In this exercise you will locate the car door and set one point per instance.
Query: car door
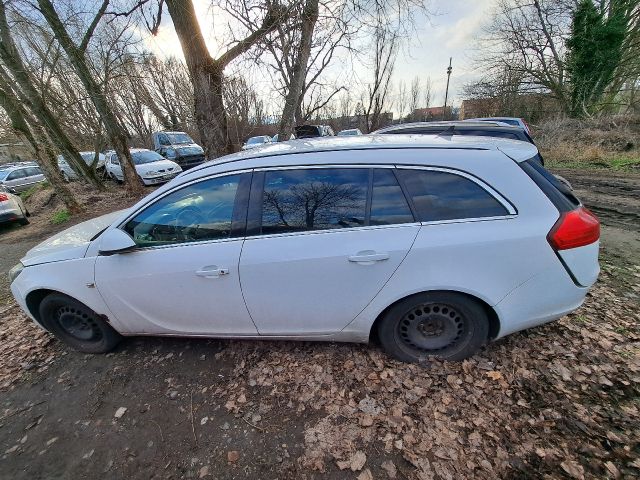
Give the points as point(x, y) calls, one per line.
point(321, 243)
point(114, 167)
point(17, 180)
point(33, 175)
point(183, 277)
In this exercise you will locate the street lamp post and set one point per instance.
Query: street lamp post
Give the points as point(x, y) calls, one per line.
point(446, 94)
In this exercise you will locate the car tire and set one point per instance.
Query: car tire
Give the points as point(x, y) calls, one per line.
point(77, 325)
point(24, 220)
point(445, 325)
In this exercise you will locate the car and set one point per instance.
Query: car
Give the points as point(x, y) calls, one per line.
point(89, 157)
point(151, 167)
point(313, 131)
point(12, 208)
point(350, 131)
point(258, 141)
point(466, 127)
point(21, 176)
point(432, 246)
point(274, 139)
point(178, 147)
point(514, 121)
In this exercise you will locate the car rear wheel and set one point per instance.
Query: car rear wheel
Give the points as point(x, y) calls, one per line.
point(77, 325)
point(445, 325)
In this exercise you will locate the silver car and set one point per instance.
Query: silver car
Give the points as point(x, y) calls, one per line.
point(21, 176)
point(11, 207)
point(89, 157)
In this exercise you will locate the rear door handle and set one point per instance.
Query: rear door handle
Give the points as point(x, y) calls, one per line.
point(368, 257)
point(212, 272)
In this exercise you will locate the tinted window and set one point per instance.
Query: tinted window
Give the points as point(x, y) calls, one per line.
point(314, 199)
point(559, 193)
point(447, 196)
point(493, 133)
point(388, 204)
point(202, 211)
point(16, 174)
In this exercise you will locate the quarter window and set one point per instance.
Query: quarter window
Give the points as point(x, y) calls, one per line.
point(314, 199)
point(446, 196)
point(388, 204)
point(199, 212)
point(16, 174)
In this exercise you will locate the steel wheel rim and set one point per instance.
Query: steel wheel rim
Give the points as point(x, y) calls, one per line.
point(78, 324)
point(431, 328)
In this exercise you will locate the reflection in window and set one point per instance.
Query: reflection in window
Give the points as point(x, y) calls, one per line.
point(388, 204)
point(314, 199)
point(447, 196)
point(202, 211)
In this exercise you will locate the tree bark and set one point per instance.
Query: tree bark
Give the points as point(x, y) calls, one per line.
point(115, 131)
point(32, 98)
point(293, 100)
point(207, 73)
point(40, 148)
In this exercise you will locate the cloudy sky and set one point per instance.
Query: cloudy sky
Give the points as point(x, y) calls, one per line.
point(449, 31)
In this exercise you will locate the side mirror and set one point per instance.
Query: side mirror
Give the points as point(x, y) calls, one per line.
point(115, 241)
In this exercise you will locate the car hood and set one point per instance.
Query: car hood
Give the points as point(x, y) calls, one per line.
point(70, 243)
point(166, 165)
point(189, 149)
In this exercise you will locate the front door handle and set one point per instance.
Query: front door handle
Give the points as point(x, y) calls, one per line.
point(369, 257)
point(212, 272)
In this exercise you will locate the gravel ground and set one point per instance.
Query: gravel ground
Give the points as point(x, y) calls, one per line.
point(557, 401)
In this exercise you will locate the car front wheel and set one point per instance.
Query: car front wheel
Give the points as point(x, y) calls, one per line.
point(77, 325)
point(445, 325)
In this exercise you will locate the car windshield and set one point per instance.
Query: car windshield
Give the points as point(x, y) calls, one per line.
point(88, 157)
point(4, 174)
point(145, 156)
point(254, 140)
point(179, 138)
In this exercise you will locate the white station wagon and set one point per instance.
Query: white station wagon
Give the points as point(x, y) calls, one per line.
point(433, 246)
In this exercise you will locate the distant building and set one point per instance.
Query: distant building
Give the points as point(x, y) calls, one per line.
point(531, 107)
point(430, 114)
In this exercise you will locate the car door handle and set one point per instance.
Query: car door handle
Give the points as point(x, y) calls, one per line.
point(369, 257)
point(212, 272)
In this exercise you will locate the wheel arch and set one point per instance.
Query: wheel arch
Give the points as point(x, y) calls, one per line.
point(33, 301)
point(492, 315)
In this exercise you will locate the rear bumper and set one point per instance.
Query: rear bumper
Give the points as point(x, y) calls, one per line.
point(10, 215)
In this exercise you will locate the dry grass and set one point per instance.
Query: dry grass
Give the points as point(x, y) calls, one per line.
point(608, 142)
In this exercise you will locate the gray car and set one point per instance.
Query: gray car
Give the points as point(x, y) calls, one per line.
point(12, 208)
point(22, 176)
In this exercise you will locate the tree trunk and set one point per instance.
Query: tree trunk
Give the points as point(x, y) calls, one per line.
point(293, 99)
point(45, 155)
point(115, 131)
point(207, 74)
point(35, 102)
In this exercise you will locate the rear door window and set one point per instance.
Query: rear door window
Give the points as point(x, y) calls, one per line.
point(314, 199)
point(438, 195)
point(16, 174)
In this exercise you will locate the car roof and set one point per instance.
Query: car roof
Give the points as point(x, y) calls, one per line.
point(515, 149)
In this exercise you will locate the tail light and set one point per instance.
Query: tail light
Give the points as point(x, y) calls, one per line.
point(526, 126)
point(4, 197)
point(573, 229)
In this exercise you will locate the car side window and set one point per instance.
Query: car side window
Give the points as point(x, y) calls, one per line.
point(33, 171)
point(16, 174)
point(114, 159)
point(314, 199)
point(199, 212)
point(440, 195)
point(388, 203)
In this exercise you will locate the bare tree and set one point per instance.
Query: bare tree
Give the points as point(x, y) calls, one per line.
point(403, 99)
point(76, 53)
point(427, 93)
point(376, 98)
point(414, 97)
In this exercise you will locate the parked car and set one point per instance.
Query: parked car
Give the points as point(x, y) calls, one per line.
point(477, 129)
point(349, 132)
point(89, 157)
point(179, 148)
point(21, 176)
point(274, 139)
point(434, 246)
point(312, 131)
point(151, 167)
point(12, 208)
point(514, 121)
point(258, 141)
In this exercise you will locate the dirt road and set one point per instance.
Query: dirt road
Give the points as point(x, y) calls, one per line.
point(557, 401)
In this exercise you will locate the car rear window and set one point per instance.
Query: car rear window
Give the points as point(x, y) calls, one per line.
point(559, 193)
point(440, 195)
